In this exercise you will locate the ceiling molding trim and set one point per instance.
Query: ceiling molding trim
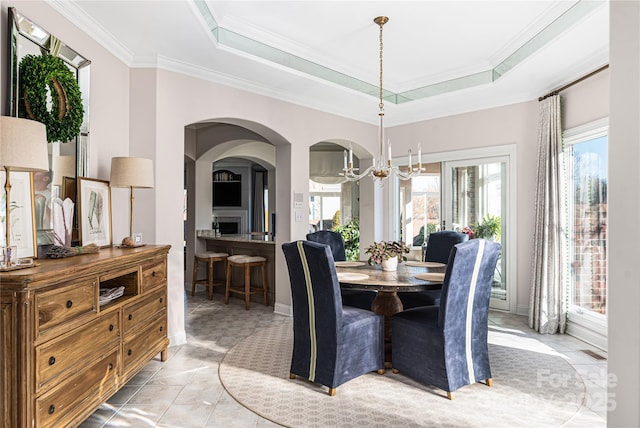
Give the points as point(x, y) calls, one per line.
point(93, 29)
point(254, 48)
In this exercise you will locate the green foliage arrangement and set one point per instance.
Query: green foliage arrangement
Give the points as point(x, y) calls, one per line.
point(351, 236)
point(379, 251)
point(487, 228)
point(39, 72)
point(335, 221)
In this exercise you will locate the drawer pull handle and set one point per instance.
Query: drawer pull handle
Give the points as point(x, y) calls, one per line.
point(52, 360)
point(69, 304)
point(161, 300)
point(129, 352)
point(110, 327)
point(52, 409)
point(160, 328)
point(153, 274)
point(130, 317)
point(110, 366)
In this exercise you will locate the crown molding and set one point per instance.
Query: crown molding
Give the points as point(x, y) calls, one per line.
point(74, 13)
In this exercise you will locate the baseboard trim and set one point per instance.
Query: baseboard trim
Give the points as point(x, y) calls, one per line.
point(522, 310)
point(280, 309)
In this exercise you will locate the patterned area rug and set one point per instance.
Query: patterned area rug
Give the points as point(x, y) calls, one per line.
point(533, 387)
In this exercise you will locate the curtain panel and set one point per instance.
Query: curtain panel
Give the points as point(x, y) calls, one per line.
point(548, 299)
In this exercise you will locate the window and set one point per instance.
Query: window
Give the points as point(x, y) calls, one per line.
point(420, 206)
point(324, 206)
point(586, 150)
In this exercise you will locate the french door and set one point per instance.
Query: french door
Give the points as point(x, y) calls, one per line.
point(476, 194)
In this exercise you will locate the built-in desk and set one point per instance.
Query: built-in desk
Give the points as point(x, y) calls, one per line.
point(253, 245)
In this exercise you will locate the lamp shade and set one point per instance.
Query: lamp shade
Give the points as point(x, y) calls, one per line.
point(131, 172)
point(23, 144)
point(62, 166)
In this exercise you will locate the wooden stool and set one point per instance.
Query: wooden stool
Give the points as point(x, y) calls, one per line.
point(209, 258)
point(247, 262)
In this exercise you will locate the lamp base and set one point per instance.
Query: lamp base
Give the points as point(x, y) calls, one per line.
point(130, 242)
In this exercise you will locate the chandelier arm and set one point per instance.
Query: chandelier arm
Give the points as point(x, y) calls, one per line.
point(349, 175)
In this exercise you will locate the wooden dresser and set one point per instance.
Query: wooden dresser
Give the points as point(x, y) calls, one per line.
point(62, 352)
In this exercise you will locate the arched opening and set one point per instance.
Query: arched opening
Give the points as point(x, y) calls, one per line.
point(230, 181)
point(334, 202)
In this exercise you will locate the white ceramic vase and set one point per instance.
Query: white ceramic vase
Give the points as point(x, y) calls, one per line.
point(390, 265)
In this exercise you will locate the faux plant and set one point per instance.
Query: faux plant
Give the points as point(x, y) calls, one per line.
point(64, 119)
point(351, 237)
point(488, 227)
point(379, 251)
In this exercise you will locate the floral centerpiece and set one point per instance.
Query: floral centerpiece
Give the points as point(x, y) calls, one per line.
point(392, 252)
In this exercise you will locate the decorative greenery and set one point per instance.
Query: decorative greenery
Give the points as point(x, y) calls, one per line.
point(37, 73)
point(380, 251)
point(487, 228)
point(351, 237)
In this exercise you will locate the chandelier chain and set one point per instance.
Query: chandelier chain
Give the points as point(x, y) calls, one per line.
point(381, 46)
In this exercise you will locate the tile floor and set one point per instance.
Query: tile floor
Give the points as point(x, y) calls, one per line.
point(185, 391)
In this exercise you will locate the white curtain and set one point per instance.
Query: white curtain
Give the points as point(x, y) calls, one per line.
point(548, 300)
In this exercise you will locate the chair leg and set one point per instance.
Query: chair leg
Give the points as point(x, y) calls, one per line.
point(332, 392)
point(228, 284)
point(395, 371)
point(195, 276)
point(265, 286)
point(450, 395)
point(247, 286)
point(490, 382)
point(292, 376)
point(210, 279)
point(380, 371)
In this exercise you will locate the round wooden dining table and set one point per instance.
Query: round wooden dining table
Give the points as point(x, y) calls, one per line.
point(411, 276)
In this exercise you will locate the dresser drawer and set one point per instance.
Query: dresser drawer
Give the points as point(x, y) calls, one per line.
point(75, 349)
point(92, 385)
point(58, 306)
point(154, 273)
point(136, 313)
point(145, 344)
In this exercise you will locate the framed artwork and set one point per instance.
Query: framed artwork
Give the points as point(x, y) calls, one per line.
point(95, 211)
point(21, 214)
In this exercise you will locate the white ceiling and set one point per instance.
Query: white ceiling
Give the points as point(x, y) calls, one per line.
point(425, 43)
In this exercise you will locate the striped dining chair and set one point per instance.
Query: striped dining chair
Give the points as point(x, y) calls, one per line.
point(446, 345)
point(332, 343)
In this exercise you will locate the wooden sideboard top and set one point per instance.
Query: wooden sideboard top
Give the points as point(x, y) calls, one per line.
point(84, 264)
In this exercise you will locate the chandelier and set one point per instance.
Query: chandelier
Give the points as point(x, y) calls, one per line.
point(382, 164)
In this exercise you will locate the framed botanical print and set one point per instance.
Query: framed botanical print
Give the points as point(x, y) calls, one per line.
point(95, 211)
point(21, 214)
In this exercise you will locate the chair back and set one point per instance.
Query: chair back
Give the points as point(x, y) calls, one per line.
point(333, 240)
point(315, 293)
point(440, 244)
point(466, 290)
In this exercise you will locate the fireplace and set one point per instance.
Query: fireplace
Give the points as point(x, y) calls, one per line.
point(231, 222)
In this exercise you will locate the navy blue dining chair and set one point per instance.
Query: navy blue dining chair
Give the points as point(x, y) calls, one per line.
point(332, 343)
point(446, 345)
point(357, 298)
point(439, 247)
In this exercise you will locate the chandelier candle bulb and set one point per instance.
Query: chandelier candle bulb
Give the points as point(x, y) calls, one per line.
point(345, 160)
point(410, 162)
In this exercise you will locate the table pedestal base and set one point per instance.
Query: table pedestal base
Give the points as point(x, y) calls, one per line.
point(387, 303)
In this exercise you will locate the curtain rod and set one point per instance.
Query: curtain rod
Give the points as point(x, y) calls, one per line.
point(570, 84)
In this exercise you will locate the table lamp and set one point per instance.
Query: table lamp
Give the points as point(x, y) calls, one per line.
point(131, 172)
point(23, 147)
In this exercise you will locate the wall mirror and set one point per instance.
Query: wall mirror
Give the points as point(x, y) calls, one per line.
point(67, 160)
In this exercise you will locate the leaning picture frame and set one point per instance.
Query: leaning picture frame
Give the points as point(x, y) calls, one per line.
point(21, 214)
point(94, 212)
